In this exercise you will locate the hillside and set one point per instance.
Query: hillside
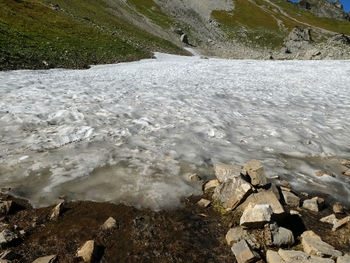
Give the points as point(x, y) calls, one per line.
point(74, 34)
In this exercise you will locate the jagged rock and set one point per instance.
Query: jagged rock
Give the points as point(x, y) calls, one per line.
point(293, 256)
point(194, 178)
point(232, 192)
point(311, 204)
point(313, 245)
point(281, 236)
point(203, 202)
point(184, 39)
point(264, 197)
point(298, 39)
point(243, 253)
point(255, 170)
point(331, 219)
point(340, 39)
point(211, 184)
point(88, 251)
point(225, 172)
point(320, 201)
point(236, 234)
point(338, 208)
point(5, 207)
point(340, 223)
point(6, 237)
point(47, 259)
point(291, 199)
point(56, 212)
point(325, 8)
point(110, 223)
point(273, 257)
point(347, 172)
point(256, 215)
point(343, 259)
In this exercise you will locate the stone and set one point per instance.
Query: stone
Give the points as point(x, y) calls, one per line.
point(5, 207)
point(340, 223)
point(338, 208)
point(294, 212)
point(194, 178)
point(255, 170)
point(204, 202)
point(56, 212)
point(225, 172)
point(236, 234)
point(291, 199)
point(47, 259)
point(88, 251)
point(232, 192)
point(6, 237)
point(273, 257)
point(293, 256)
point(313, 245)
point(347, 173)
point(264, 197)
point(211, 184)
point(344, 259)
point(184, 39)
point(321, 173)
point(256, 215)
point(331, 219)
point(109, 224)
point(286, 183)
point(281, 236)
point(286, 189)
point(345, 163)
point(311, 205)
point(320, 201)
point(275, 177)
point(243, 253)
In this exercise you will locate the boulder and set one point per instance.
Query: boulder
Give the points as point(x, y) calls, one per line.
point(6, 237)
point(313, 245)
point(256, 215)
point(109, 224)
point(47, 259)
point(88, 251)
point(211, 184)
point(256, 172)
point(338, 208)
point(291, 199)
point(203, 202)
point(273, 257)
point(281, 236)
point(293, 256)
point(243, 253)
point(236, 234)
point(56, 212)
point(225, 172)
point(311, 205)
point(264, 197)
point(331, 219)
point(232, 192)
point(343, 259)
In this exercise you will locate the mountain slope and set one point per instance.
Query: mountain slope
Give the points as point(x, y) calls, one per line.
point(75, 34)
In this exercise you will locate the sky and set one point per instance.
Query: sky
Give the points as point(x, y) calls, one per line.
point(346, 4)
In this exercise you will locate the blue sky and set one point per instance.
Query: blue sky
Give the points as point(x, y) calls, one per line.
point(346, 4)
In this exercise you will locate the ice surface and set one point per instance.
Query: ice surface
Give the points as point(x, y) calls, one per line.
point(132, 132)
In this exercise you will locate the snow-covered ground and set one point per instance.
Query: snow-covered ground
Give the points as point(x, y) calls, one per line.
point(133, 132)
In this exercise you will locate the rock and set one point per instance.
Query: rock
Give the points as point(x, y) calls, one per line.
point(345, 163)
point(320, 201)
point(184, 39)
point(340, 223)
point(5, 207)
point(347, 172)
point(286, 189)
point(194, 178)
point(281, 236)
point(203, 202)
point(243, 253)
point(293, 256)
point(273, 257)
point(232, 192)
point(256, 173)
point(88, 251)
point(211, 184)
point(321, 173)
point(340, 39)
point(256, 215)
point(331, 219)
point(343, 259)
point(313, 245)
point(274, 177)
point(294, 212)
point(109, 224)
point(286, 183)
point(45, 63)
point(6, 237)
point(236, 234)
point(47, 259)
point(311, 205)
point(56, 212)
point(338, 208)
point(225, 172)
point(322, 8)
point(264, 197)
point(291, 199)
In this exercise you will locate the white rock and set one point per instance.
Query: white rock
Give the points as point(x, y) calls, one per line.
point(225, 172)
point(264, 197)
point(87, 251)
point(243, 253)
point(256, 172)
point(256, 215)
point(311, 204)
point(110, 223)
point(290, 199)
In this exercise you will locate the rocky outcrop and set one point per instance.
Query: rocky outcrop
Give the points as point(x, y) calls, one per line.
point(325, 8)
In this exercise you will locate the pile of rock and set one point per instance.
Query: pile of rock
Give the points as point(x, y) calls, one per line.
point(264, 206)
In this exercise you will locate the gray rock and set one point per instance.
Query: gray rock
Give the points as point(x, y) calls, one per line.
point(256, 173)
point(232, 192)
point(281, 236)
point(225, 172)
point(343, 259)
point(236, 234)
point(109, 224)
point(291, 199)
point(46, 259)
point(340, 39)
point(204, 202)
point(211, 184)
point(243, 253)
point(87, 252)
point(293, 256)
point(273, 257)
point(311, 204)
point(6, 237)
point(313, 245)
point(256, 215)
point(340, 223)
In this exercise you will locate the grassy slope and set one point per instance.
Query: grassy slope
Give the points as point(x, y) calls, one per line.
point(31, 32)
point(263, 30)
